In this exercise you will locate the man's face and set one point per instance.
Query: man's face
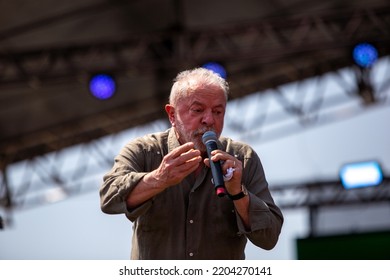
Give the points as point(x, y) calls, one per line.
point(202, 110)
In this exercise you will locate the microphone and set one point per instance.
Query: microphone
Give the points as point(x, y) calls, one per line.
point(209, 139)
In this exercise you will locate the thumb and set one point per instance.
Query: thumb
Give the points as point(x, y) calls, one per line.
point(206, 161)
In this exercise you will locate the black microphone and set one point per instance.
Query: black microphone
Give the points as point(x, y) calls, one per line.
point(209, 139)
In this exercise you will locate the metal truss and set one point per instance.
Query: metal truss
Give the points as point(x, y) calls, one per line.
point(263, 42)
point(67, 172)
point(78, 169)
point(288, 109)
point(64, 173)
point(327, 193)
point(316, 195)
point(258, 56)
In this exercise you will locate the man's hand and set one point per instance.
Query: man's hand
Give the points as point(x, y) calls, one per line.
point(178, 164)
point(174, 167)
point(233, 186)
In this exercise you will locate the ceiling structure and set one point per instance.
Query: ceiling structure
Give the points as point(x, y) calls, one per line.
point(49, 50)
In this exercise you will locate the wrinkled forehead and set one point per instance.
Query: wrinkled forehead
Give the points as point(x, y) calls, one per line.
point(196, 88)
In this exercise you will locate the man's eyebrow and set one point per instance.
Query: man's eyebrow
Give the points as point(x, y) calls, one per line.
point(203, 104)
point(196, 103)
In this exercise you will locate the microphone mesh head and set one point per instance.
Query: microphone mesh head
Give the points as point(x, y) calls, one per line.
point(209, 136)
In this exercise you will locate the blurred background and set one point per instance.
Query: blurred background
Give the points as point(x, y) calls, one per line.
point(310, 86)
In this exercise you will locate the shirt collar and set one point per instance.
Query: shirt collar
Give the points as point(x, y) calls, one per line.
point(173, 142)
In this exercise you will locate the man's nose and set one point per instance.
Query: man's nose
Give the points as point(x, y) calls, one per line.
point(208, 118)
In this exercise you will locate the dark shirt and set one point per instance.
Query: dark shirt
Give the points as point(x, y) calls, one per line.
point(188, 220)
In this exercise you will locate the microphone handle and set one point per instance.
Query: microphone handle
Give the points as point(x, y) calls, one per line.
point(216, 171)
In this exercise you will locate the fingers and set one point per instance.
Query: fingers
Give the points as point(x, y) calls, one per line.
point(233, 184)
point(182, 149)
point(190, 155)
point(179, 163)
point(227, 159)
point(184, 154)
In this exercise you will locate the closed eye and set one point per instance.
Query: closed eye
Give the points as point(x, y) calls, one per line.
point(197, 110)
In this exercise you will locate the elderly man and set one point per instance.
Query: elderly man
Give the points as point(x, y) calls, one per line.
point(163, 184)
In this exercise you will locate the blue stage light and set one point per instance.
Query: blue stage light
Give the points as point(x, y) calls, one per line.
point(216, 68)
point(365, 55)
point(102, 86)
point(361, 174)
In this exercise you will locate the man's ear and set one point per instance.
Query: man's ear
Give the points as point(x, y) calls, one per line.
point(171, 113)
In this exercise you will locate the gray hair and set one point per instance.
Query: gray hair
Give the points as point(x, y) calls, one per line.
point(186, 81)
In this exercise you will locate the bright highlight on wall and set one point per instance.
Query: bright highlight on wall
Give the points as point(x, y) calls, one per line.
point(361, 174)
point(216, 68)
point(102, 86)
point(365, 55)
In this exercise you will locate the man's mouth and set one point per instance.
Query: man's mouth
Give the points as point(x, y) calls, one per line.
point(200, 132)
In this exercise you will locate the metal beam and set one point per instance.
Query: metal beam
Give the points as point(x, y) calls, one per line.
point(256, 43)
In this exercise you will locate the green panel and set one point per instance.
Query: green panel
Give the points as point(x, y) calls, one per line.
point(362, 246)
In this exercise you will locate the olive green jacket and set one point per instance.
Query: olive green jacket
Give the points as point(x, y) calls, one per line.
point(188, 220)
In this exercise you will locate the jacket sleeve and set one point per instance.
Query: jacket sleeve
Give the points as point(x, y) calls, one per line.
point(128, 169)
point(265, 217)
